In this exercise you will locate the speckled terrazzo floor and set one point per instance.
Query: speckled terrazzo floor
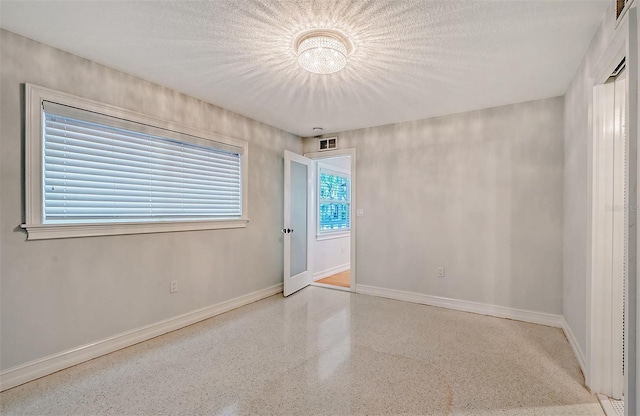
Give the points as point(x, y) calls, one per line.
point(325, 352)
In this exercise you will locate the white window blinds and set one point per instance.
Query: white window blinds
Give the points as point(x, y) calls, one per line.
point(99, 169)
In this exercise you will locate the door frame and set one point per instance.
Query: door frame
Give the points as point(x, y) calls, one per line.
point(327, 154)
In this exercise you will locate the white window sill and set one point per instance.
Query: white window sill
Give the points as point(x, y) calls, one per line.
point(331, 236)
point(52, 231)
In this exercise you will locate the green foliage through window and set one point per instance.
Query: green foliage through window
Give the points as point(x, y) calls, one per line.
point(335, 202)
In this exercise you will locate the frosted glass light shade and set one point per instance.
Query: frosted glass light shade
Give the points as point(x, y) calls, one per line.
point(322, 54)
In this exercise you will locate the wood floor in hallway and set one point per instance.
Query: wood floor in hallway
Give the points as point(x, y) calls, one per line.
point(339, 279)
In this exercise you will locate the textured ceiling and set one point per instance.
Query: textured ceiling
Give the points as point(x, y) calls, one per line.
point(412, 59)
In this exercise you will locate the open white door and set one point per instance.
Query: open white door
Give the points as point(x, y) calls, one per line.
point(298, 224)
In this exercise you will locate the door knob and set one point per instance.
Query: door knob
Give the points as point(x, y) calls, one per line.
point(287, 230)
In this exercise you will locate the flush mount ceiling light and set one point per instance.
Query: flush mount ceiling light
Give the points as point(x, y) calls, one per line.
point(322, 51)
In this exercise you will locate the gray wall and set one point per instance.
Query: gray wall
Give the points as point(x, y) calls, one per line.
point(59, 294)
point(578, 107)
point(479, 193)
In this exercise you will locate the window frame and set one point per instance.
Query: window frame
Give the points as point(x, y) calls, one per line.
point(336, 171)
point(34, 172)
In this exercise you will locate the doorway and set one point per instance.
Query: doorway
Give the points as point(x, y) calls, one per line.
point(331, 244)
point(344, 248)
point(302, 228)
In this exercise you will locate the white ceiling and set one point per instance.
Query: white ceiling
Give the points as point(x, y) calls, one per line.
point(412, 59)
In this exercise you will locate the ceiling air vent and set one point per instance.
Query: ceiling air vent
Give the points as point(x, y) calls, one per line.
point(621, 8)
point(328, 143)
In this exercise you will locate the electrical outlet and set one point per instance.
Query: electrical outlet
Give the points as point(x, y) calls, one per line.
point(360, 212)
point(174, 286)
point(440, 271)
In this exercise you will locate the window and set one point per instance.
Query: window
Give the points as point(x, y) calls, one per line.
point(94, 169)
point(334, 197)
point(94, 172)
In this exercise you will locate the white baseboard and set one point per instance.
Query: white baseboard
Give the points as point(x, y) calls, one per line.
point(574, 346)
point(330, 272)
point(541, 318)
point(35, 369)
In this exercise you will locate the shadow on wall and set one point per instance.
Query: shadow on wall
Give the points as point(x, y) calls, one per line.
point(478, 193)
